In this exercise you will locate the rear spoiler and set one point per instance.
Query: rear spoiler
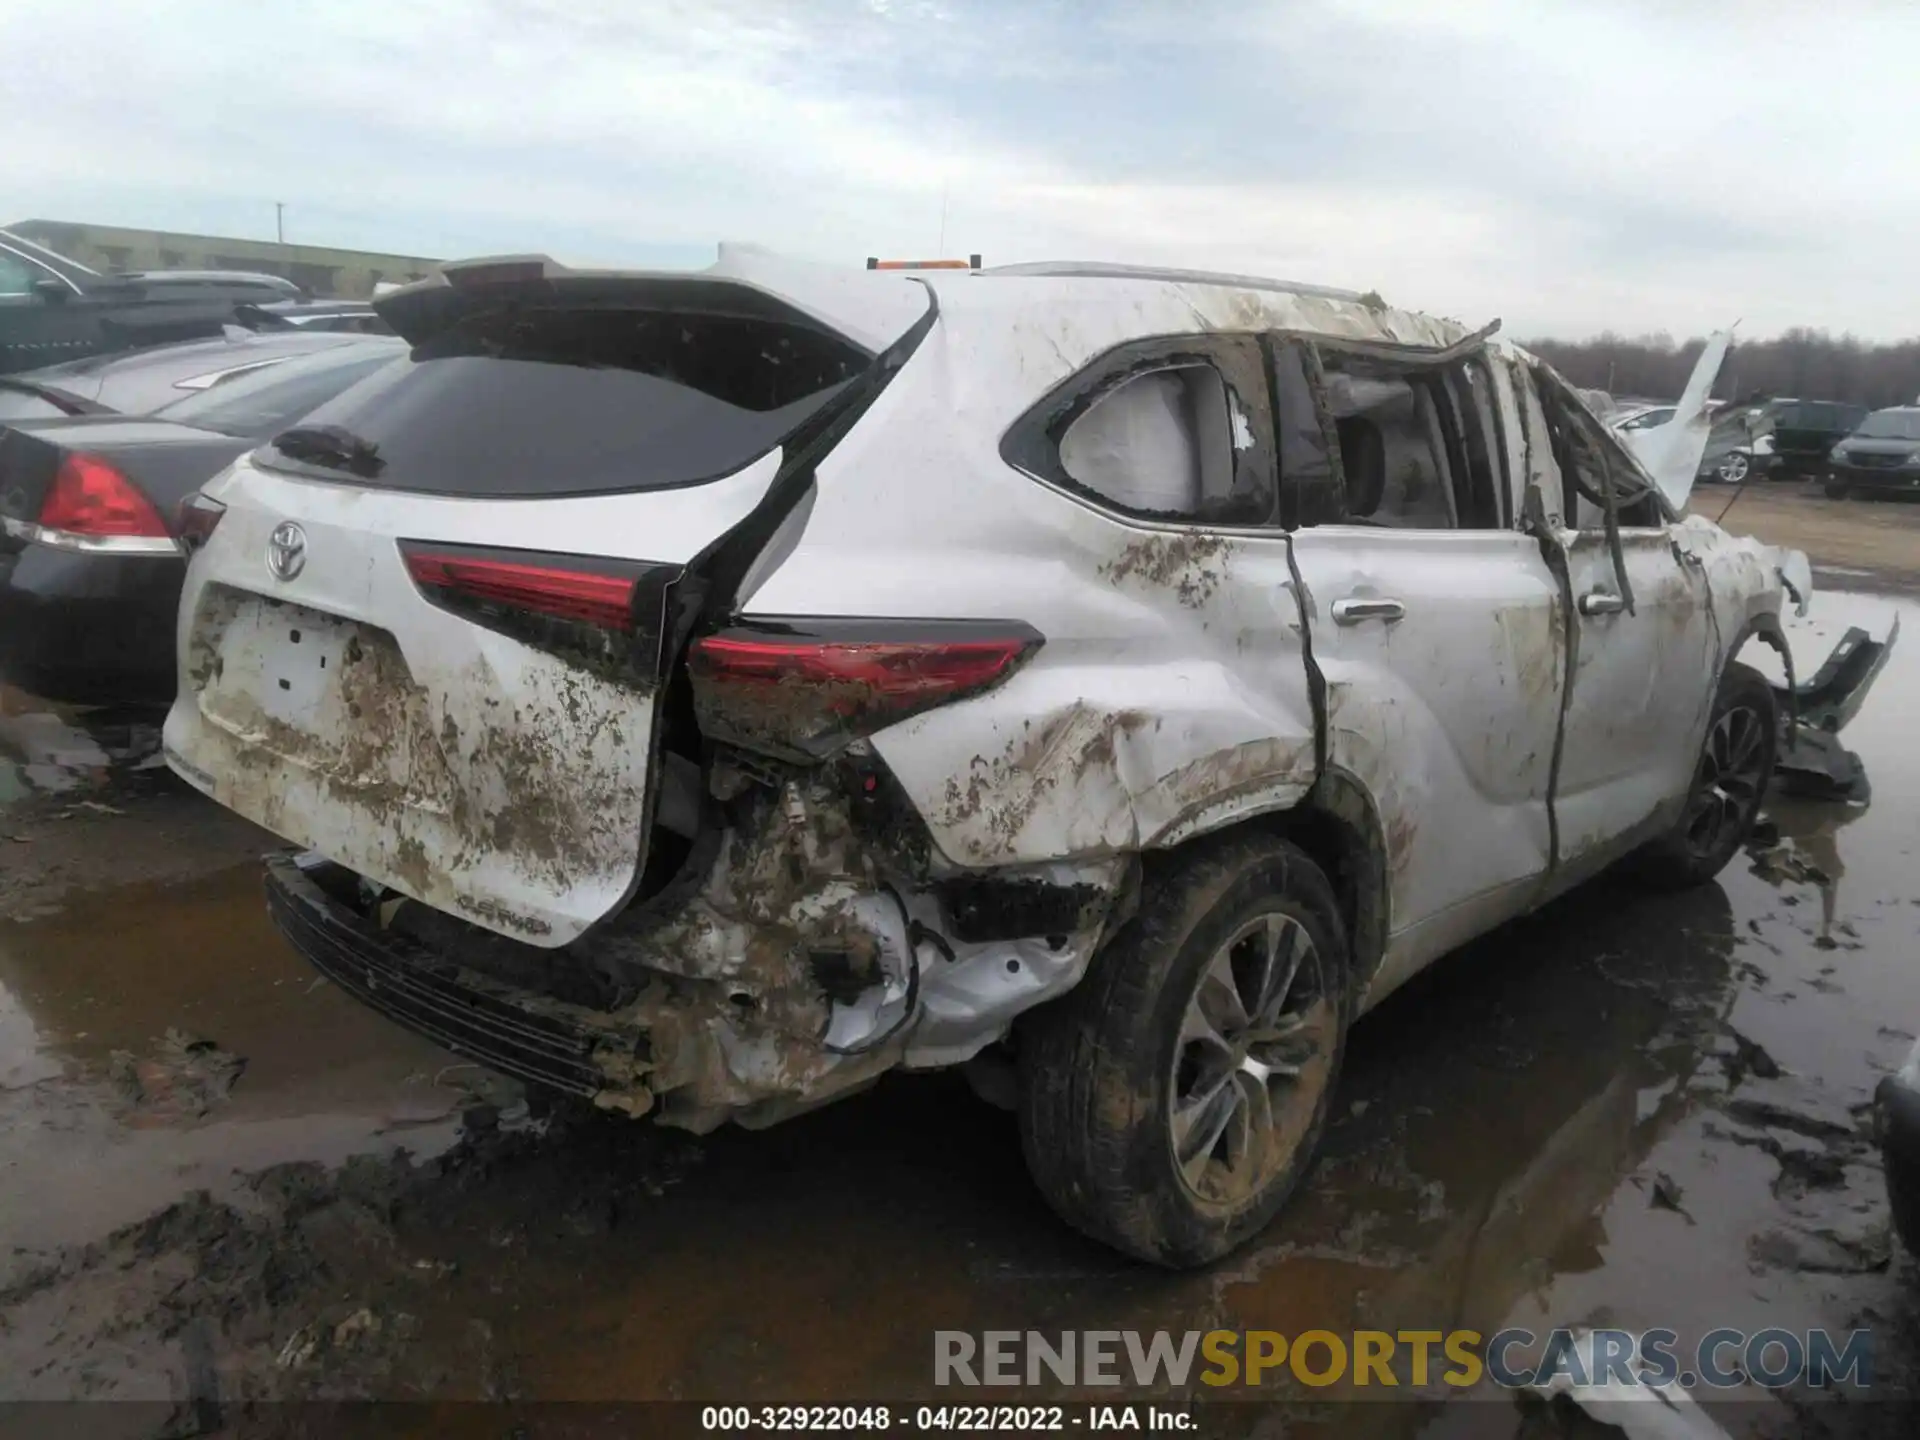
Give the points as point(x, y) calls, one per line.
point(63, 400)
point(871, 310)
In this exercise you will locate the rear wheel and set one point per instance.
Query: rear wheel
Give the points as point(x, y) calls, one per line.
point(1736, 762)
point(1836, 489)
point(1733, 468)
point(1172, 1102)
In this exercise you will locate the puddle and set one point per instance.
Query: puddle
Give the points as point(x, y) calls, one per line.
point(1590, 1115)
point(106, 1117)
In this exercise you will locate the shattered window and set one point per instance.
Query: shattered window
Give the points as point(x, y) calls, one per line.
point(1471, 391)
point(1174, 441)
point(1592, 459)
point(1309, 482)
point(1393, 449)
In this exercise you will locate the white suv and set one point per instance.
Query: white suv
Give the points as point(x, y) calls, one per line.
point(703, 693)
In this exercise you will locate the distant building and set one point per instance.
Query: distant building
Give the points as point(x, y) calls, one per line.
point(327, 273)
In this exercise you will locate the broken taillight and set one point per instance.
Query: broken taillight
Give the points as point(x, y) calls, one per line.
point(91, 500)
point(803, 690)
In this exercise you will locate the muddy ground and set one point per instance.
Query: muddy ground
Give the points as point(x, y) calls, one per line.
point(222, 1183)
point(1855, 544)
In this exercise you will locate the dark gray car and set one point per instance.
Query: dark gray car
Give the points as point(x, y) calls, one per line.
point(138, 382)
point(1881, 456)
point(54, 309)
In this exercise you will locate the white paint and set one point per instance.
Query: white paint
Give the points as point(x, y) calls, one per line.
point(484, 683)
point(1170, 697)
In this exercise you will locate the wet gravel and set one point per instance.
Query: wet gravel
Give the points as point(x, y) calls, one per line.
point(223, 1184)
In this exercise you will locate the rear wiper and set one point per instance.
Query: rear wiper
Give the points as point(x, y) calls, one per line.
point(332, 446)
point(63, 400)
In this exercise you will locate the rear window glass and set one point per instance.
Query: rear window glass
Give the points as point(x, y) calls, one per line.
point(529, 402)
point(257, 405)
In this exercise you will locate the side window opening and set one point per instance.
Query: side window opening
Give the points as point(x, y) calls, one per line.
point(1171, 438)
point(1592, 459)
point(1468, 396)
point(1392, 449)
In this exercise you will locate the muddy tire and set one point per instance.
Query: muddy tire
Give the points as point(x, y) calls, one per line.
point(1729, 782)
point(1172, 1101)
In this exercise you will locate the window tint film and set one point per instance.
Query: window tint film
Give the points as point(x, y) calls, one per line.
point(530, 402)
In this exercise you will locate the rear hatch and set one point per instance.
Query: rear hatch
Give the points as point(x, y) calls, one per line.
point(425, 635)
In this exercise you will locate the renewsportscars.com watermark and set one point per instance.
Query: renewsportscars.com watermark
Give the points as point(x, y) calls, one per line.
point(1512, 1359)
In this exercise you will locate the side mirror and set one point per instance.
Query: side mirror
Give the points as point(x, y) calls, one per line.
point(51, 291)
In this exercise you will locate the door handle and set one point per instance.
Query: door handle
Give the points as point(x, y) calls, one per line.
point(1601, 602)
point(1352, 612)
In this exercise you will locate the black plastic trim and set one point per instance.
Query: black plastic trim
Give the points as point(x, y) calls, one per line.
point(432, 999)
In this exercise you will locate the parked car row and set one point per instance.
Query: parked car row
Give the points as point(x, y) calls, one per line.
point(54, 309)
point(96, 456)
point(1852, 450)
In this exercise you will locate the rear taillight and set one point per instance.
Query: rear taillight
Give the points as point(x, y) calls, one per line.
point(804, 690)
point(90, 500)
point(195, 519)
point(562, 591)
point(570, 604)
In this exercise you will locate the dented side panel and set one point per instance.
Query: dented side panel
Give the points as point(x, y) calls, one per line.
point(1170, 694)
point(1447, 715)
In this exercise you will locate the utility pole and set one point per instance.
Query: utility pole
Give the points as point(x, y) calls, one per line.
point(280, 221)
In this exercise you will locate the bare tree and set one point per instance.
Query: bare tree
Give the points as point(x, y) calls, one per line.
point(1802, 363)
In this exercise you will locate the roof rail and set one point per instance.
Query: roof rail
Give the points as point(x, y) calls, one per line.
point(1079, 269)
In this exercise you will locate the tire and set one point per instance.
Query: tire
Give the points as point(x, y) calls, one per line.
point(1144, 1054)
point(1729, 783)
point(1835, 489)
point(1734, 468)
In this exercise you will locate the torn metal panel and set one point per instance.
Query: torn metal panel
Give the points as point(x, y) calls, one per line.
point(1671, 452)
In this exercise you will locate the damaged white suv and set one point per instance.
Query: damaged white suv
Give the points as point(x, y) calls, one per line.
point(701, 693)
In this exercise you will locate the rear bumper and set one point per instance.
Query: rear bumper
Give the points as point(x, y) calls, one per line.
point(89, 629)
point(1897, 1122)
point(547, 1043)
point(692, 1052)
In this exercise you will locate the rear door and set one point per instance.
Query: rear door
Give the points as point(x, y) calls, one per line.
point(425, 636)
point(1436, 626)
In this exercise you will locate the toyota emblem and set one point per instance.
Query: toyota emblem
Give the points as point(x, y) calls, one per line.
point(286, 550)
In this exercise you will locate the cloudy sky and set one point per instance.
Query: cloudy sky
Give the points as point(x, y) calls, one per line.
point(1569, 166)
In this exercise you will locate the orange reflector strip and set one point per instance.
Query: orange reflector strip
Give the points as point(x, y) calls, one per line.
point(971, 263)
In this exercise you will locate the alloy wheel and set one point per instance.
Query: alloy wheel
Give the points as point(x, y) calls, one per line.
point(1731, 780)
point(1253, 1060)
